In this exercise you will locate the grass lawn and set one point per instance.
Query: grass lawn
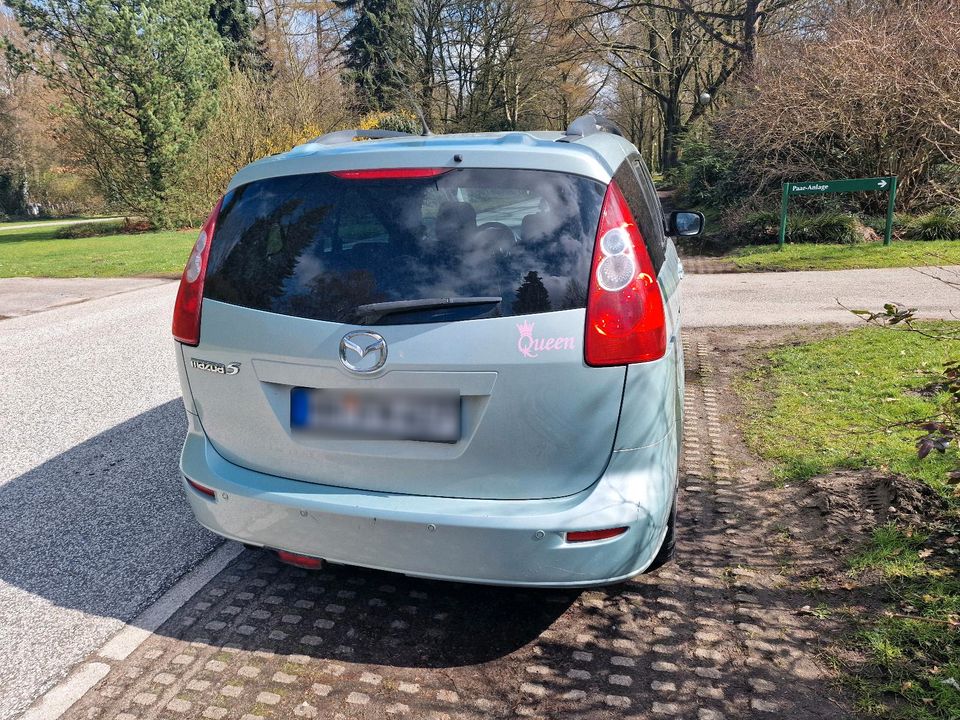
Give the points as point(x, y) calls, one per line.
point(914, 647)
point(35, 252)
point(904, 253)
point(831, 404)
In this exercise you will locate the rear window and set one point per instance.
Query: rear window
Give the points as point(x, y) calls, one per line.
point(469, 243)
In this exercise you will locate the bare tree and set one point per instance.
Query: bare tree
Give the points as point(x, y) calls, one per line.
point(735, 24)
point(499, 64)
point(665, 53)
point(875, 94)
point(35, 163)
point(677, 50)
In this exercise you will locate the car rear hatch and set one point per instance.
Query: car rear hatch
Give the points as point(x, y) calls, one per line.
point(476, 282)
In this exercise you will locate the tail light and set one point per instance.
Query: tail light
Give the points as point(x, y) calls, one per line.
point(625, 319)
point(186, 311)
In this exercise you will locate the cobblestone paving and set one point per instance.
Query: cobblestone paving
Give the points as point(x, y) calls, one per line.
point(712, 636)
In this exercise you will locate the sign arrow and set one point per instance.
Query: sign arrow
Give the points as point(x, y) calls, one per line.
point(882, 184)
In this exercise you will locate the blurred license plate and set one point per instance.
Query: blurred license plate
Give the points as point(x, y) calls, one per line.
point(384, 415)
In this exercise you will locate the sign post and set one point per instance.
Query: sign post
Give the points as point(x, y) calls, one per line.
point(891, 200)
point(878, 184)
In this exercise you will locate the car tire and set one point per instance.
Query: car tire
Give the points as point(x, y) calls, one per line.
point(668, 547)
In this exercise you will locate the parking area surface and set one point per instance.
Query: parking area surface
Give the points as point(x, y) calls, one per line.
point(715, 635)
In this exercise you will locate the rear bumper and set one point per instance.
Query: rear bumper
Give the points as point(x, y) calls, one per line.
point(497, 542)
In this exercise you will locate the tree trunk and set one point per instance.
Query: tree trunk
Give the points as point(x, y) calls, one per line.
point(751, 19)
point(672, 127)
point(318, 35)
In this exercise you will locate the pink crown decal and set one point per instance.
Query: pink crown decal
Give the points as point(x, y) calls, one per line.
point(526, 329)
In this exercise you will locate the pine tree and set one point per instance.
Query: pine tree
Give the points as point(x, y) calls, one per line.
point(138, 81)
point(235, 25)
point(377, 48)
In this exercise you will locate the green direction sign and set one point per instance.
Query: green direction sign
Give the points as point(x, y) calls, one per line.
point(822, 187)
point(839, 186)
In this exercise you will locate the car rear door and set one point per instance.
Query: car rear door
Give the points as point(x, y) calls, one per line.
point(476, 282)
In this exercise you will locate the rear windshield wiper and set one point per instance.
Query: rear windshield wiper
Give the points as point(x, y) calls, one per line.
point(373, 312)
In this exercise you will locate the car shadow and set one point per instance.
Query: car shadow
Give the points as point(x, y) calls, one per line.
point(104, 529)
point(364, 616)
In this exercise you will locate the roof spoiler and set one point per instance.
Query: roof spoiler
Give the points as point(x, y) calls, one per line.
point(344, 136)
point(589, 125)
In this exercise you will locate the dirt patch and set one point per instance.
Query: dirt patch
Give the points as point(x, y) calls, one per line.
point(746, 347)
point(839, 511)
point(868, 498)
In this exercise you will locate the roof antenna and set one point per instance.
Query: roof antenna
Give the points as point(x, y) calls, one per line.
point(424, 128)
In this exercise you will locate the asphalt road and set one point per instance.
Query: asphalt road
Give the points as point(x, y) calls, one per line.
point(57, 223)
point(92, 523)
point(22, 296)
point(804, 298)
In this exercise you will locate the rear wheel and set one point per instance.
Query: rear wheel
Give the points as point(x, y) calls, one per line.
point(669, 542)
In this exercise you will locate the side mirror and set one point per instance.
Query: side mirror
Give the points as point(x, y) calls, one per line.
point(685, 224)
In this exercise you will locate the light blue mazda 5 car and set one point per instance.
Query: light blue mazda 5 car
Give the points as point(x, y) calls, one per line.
point(454, 357)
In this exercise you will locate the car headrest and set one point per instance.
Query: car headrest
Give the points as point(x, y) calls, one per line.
point(537, 227)
point(455, 219)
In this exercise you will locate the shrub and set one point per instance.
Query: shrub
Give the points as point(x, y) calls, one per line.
point(281, 139)
point(61, 192)
point(87, 230)
point(256, 116)
point(939, 224)
point(754, 228)
point(398, 120)
point(760, 228)
point(849, 129)
point(833, 228)
point(98, 229)
point(878, 223)
point(705, 175)
point(136, 226)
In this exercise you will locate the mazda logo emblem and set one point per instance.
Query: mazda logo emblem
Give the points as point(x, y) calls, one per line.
point(363, 352)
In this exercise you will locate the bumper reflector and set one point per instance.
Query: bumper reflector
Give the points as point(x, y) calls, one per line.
point(588, 535)
point(301, 561)
point(202, 489)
